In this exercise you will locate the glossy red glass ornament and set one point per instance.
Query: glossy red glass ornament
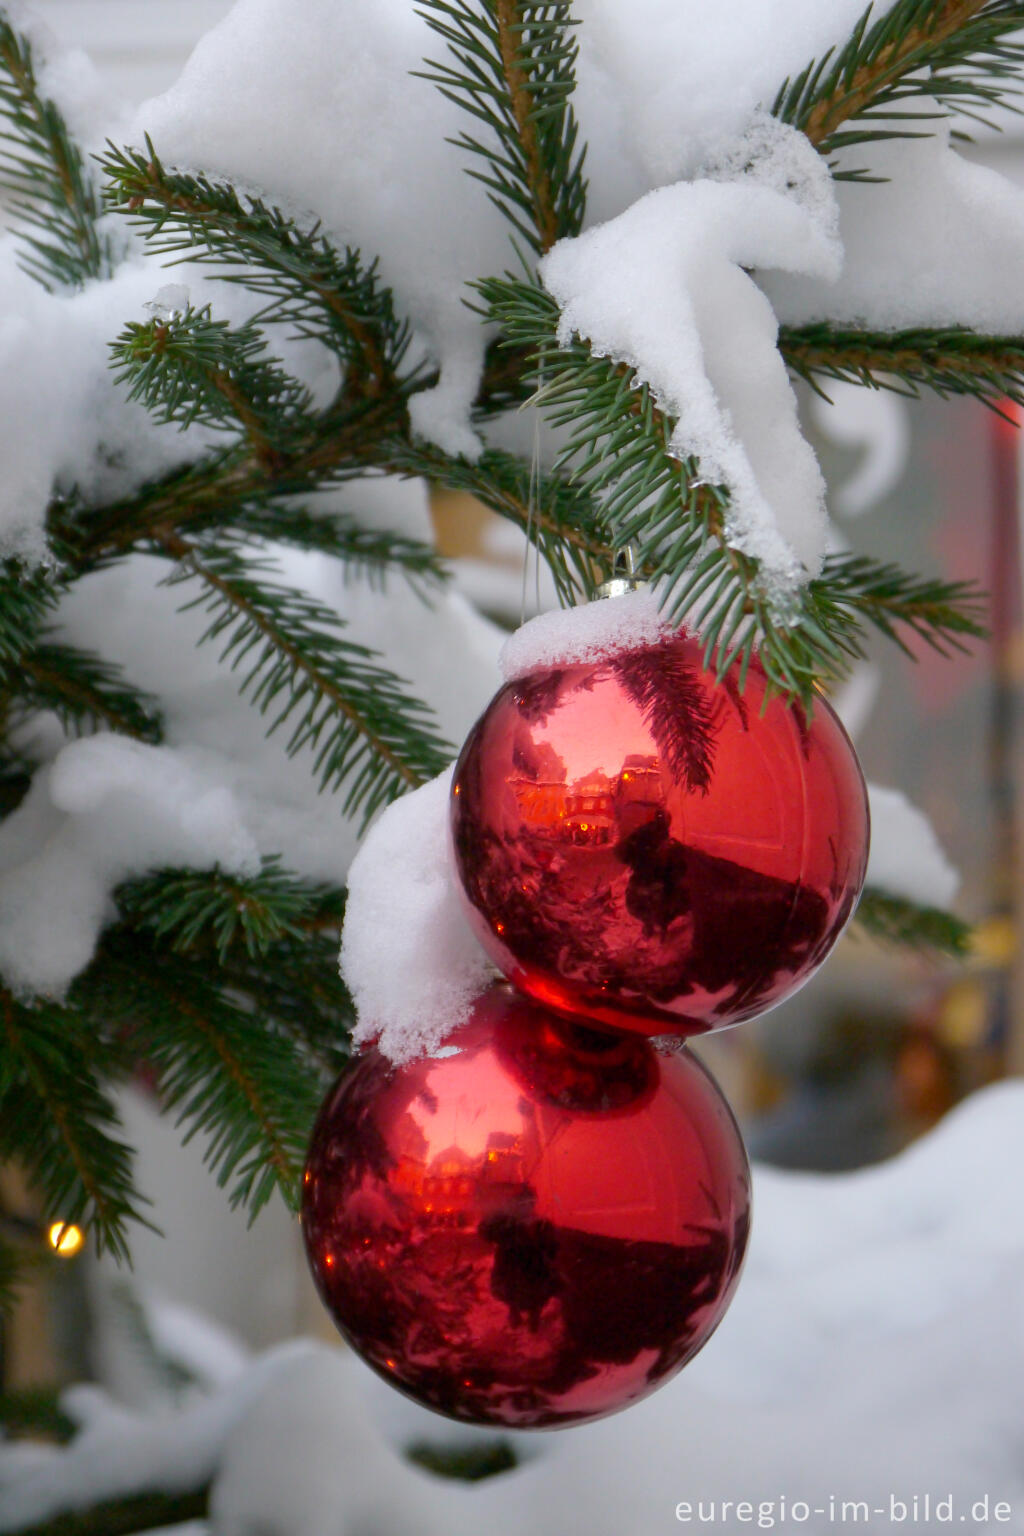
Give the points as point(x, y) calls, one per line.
point(535, 1231)
point(640, 846)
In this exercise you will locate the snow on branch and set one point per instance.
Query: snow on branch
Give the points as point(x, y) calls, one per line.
point(663, 289)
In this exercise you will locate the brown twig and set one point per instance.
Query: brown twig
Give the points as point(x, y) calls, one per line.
point(509, 26)
point(856, 92)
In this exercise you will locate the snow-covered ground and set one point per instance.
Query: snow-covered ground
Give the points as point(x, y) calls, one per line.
point(874, 1353)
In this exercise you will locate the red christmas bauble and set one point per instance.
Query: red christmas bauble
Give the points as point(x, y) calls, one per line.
point(535, 1230)
point(642, 847)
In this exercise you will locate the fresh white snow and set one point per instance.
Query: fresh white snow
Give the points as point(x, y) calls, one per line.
point(588, 633)
point(408, 956)
point(873, 1351)
point(664, 288)
point(906, 857)
point(218, 791)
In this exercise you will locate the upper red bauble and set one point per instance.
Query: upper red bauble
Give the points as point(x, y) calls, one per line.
point(645, 848)
point(535, 1230)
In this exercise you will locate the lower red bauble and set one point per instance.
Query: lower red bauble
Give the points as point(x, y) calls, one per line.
point(533, 1230)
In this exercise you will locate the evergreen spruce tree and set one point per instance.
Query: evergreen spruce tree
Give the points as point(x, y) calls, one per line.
point(226, 987)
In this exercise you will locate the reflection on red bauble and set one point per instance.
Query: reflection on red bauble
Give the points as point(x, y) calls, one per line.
point(535, 1230)
point(644, 848)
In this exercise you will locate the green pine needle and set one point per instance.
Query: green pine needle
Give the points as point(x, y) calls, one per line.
point(199, 909)
point(919, 60)
point(365, 732)
point(854, 590)
point(58, 1121)
point(242, 1086)
point(306, 283)
point(84, 691)
point(897, 921)
point(950, 361)
point(191, 368)
point(51, 198)
point(512, 67)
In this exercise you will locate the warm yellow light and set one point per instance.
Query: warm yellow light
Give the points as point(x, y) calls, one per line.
point(65, 1239)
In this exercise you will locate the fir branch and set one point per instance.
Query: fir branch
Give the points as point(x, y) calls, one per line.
point(371, 553)
point(241, 1085)
point(513, 67)
point(620, 453)
point(943, 614)
point(946, 55)
point(83, 690)
point(200, 909)
point(192, 368)
point(619, 450)
point(231, 483)
point(58, 1122)
point(27, 598)
point(559, 517)
point(365, 732)
point(895, 920)
point(298, 988)
point(307, 284)
point(953, 361)
point(125, 1517)
point(52, 199)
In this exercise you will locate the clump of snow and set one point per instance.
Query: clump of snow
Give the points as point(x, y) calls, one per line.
point(67, 76)
point(64, 424)
point(374, 163)
point(873, 1352)
point(906, 857)
point(219, 790)
point(408, 956)
point(108, 807)
point(775, 155)
point(662, 82)
point(120, 1453)
point(587, 633)
point(662, 289)
point(877, 422)
point(939, 242)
